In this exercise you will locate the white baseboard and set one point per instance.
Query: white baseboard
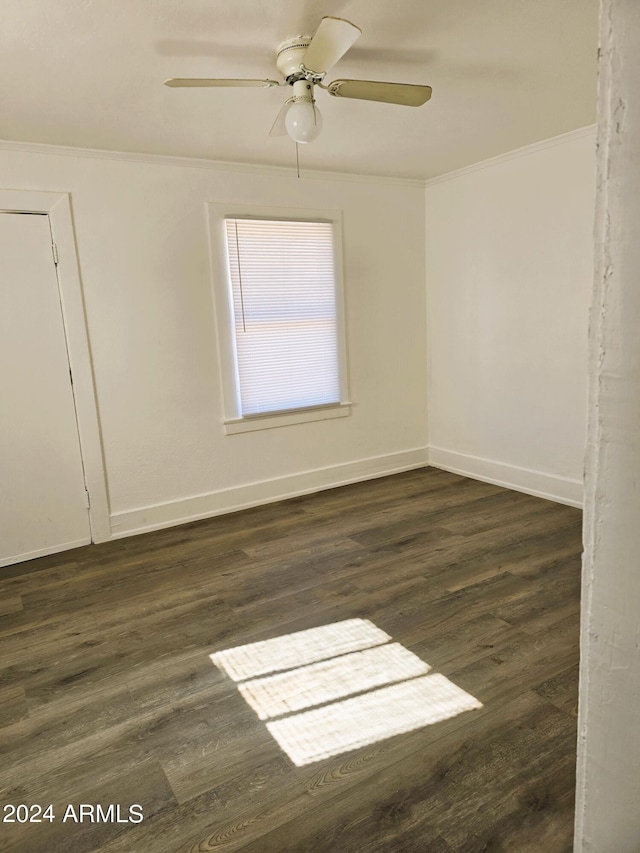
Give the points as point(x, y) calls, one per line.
point(43, 552)
point(553, 488)
point(158, 516)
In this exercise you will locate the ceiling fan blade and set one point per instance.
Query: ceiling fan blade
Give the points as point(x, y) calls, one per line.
point(332, 40)
point(279, 128)
point(407, 94)
point(194, 82)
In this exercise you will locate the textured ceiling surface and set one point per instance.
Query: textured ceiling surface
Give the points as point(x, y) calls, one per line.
point(505, 73)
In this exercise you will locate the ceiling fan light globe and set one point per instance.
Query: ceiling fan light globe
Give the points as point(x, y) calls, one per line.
point(303, 121)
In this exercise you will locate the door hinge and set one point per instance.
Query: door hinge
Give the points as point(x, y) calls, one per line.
point(88, 498)
point(54, 249)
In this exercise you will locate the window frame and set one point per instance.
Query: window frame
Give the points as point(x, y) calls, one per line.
point(233, 419)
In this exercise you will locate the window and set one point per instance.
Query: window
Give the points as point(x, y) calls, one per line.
point(283, 355)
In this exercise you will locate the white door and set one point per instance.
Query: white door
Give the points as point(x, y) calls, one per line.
point(43, 502)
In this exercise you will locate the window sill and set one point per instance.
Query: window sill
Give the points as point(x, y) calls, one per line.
point(299, 416)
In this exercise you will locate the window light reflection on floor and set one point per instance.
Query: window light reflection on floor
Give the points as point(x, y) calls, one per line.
point(299, 649)
point(339, 687)
point(332, 679)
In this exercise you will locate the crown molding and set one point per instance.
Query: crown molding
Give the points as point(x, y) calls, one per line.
point(289, 172)
point(525, 151)
point(198, 163)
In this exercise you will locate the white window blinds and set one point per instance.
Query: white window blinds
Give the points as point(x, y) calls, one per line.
point(284, 310)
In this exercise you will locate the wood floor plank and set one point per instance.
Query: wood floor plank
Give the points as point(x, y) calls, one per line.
point(13, 705)
point(370, 795)
point(108, 693)
point(562, 690)
point(11, 604)
point(143, 786)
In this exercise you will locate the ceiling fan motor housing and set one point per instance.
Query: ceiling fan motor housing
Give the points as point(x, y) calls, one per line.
point(289, 58)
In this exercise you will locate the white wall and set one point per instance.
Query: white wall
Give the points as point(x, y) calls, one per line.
point(509, 256)
point(142, 241)
point(608, 779)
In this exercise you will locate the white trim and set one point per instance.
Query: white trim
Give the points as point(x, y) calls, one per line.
point(538, 483)
point(158, 516)
point(200, 163)
point(43, 552)
point(58, 207)
point(285, 171)
point(524, 151)
point(299, 416)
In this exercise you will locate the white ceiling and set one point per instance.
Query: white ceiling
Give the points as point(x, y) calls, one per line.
point(505, 73)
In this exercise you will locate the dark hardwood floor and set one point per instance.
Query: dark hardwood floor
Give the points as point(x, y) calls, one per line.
point(108, 694)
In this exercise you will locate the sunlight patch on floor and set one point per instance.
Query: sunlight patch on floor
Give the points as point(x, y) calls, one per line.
point(343, 726)
point(331, 679)
point(329, 690)
point(299, 649)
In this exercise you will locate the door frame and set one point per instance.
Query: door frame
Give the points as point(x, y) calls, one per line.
point(57, 206)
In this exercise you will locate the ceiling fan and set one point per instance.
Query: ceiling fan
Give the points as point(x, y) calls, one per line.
point(304, 61)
